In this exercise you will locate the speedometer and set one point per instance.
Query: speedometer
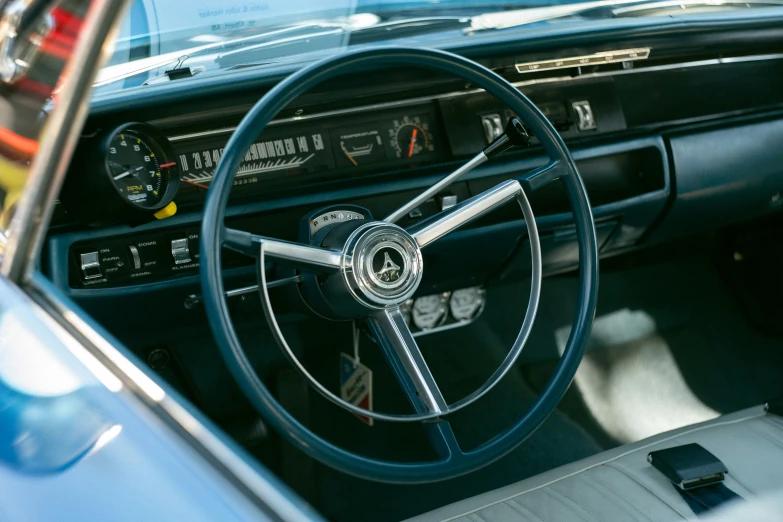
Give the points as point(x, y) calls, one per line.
point(139, 169)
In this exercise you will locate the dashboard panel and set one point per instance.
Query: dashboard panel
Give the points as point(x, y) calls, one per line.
point(378, 154)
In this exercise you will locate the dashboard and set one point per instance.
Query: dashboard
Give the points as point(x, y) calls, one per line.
point(128, 221)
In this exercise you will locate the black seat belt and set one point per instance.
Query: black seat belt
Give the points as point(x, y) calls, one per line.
point(706, 498)
point(696, 474)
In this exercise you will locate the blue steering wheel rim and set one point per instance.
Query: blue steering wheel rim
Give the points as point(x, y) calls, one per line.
point(212, 240)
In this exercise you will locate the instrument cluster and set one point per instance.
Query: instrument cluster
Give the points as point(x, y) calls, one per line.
point(312, 150)
point(134, 173)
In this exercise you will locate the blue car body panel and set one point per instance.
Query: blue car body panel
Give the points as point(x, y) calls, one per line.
point(77, 444)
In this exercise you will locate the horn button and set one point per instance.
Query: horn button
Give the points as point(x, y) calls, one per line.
point(385, 265)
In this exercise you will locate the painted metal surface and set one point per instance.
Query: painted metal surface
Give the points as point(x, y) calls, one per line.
point(76, 444)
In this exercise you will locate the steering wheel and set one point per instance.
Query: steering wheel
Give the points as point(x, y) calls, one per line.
point(366, 270)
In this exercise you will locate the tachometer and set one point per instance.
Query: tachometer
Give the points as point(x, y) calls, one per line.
point(139, 169)
point(127, 174)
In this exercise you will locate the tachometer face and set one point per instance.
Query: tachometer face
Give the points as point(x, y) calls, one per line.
point(139, 169)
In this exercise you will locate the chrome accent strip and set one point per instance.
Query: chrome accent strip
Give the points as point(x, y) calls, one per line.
point(477, 160)
point(47, 171)
point(624, 55)
point(524, 83)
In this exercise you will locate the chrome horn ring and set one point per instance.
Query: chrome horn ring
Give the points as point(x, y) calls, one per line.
point(386, 319)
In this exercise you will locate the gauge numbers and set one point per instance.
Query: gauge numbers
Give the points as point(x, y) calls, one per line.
point(138, 169)
point(279, 155)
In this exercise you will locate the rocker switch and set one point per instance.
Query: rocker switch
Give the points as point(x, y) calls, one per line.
point(91, 265)
point(493, 126)
point(135, 256)
point(180, 251)
point(585, 120)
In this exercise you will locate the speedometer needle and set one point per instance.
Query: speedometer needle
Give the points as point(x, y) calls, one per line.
point(128, 172)
point(413, 141)
point(199, 185)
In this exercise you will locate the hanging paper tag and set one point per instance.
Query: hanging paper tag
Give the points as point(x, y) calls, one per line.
point(356, 384)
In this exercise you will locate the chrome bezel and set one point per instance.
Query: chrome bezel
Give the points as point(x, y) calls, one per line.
point(361, 247)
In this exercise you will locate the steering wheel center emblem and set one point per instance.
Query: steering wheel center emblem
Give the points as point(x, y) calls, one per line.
point(386, 265)
point(389, 271)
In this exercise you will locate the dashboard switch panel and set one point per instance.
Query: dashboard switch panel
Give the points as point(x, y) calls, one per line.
point(585, 120)
point(140, 258)
point(446, 202)
point(135, 257)
point(91, 265)
point(180, 251)
point(493, 126)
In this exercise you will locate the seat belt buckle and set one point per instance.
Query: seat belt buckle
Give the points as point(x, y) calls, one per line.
point(689, 466)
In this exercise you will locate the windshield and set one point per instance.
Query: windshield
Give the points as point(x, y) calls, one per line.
point(194, 37)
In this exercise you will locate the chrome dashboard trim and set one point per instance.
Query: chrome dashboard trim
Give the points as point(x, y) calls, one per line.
point(524, 83)
point(602, 57)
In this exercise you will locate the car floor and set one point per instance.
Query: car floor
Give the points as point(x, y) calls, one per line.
point(670, 347)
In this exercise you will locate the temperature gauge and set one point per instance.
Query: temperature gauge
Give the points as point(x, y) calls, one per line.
point(411, 136)
point(358, 147)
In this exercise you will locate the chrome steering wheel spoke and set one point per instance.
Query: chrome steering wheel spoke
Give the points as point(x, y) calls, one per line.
point(449, 220)
point(304, 257)
point(396, 340)
point(514, 135)
point(389, 329)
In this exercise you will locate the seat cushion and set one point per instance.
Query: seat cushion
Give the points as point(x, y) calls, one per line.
point(620, 484)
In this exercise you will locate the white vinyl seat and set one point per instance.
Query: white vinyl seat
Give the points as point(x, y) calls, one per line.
point(620, 484)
